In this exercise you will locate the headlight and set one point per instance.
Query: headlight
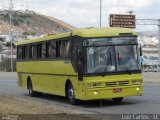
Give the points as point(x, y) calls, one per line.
point(96, 84)
point(136, 82)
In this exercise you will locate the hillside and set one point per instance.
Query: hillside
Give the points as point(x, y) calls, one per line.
point(31, 23)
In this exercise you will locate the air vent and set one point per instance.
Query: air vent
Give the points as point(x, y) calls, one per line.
point(118, 83)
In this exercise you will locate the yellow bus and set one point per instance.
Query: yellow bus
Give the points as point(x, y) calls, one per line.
point(85, 64)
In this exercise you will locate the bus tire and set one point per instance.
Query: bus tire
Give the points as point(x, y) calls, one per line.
point(31, 92)
point(71, 94)
point(117, 100)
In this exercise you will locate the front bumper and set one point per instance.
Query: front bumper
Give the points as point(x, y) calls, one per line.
point(104, 93)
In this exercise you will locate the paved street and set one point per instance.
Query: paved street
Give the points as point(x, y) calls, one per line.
point(148, 103)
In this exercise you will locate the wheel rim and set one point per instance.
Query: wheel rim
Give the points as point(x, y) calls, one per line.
point(30, 88)
point(71, 93)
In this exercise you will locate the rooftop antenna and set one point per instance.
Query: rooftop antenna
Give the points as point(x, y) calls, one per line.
point(130, 12)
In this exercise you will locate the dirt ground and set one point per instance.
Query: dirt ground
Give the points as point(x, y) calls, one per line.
point(21, 109)
point(11, 104)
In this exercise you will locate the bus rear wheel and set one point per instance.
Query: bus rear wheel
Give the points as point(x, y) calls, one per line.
point(71, 94)
point(117, 100)
point(32, 93)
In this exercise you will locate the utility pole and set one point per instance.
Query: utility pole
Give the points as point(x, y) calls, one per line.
point(159, 41)
point(10, 31)
point(100, 22)
point(27, 6)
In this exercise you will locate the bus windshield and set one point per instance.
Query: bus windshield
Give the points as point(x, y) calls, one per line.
point(112, 57)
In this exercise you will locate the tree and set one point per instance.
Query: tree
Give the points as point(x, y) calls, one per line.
point(26, 34)
point(6, 65)
point(1, 47)
point(32, 33)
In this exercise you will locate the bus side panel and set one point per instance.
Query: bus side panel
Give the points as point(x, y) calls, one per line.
point(49, 84)
point(81, 90)
point(22, 80)
point(49, 76)
point(53, 84)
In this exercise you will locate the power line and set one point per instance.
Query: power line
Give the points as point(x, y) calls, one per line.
point(10, 31)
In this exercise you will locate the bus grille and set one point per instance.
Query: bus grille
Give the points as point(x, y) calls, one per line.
point(118, 83)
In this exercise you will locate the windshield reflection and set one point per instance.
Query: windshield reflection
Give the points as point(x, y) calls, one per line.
point(100, 59)
point(127, 58)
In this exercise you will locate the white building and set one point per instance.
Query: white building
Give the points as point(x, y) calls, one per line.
point(150, 56)
point(147, 40)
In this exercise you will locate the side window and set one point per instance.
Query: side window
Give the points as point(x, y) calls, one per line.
point(27, 52)
point(39, 54)
point(75, 42)
point(64, 48)
point(51, 49)
point(48, 46)
point(34, 51)
point(43, 50)
point(30, 51)
point(23, 52)
point(19, 52)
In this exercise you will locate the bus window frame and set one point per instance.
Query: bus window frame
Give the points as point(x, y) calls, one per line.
point(45, 54)
point(46, 59)
point(23, 52)
point(64, 49)
point(108, 73)
point(39, 50)
point(19, 57)
point(26, 52)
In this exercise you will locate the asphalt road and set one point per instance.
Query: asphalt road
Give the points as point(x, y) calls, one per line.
point(148, 103)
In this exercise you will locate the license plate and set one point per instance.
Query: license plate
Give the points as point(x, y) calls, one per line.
point(117, 90)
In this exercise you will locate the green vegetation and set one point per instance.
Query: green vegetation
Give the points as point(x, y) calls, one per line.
point(17, 17)
point(29, 23)
point(6, 65)
point(25, 34)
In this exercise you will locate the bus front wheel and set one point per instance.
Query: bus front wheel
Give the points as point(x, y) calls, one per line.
point(71, 94)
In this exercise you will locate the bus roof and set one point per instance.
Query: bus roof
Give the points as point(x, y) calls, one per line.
point(102, 32)
point(87, 32)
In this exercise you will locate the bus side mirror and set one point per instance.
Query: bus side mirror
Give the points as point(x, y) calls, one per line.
point(141, 56)
point(140, 50)
point(80, 64)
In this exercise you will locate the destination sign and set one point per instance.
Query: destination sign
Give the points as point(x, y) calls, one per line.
point(125, 21)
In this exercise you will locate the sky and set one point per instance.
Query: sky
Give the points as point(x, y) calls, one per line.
point(85, 13)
